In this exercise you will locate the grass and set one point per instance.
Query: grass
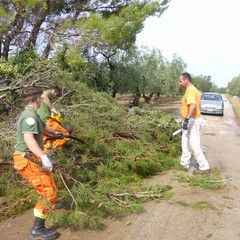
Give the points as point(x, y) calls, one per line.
point(211, 181)
point(228, 197)
point(197, 206)
point(235, 104)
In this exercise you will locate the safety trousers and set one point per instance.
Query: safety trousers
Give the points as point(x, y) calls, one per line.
point(42, 182)
point(58, 143)
point(191, 145)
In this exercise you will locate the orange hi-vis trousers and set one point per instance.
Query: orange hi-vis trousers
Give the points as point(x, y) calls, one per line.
point(58, 143)
point(42, 182)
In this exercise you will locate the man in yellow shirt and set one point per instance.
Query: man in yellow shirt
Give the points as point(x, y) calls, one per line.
point(191, 126)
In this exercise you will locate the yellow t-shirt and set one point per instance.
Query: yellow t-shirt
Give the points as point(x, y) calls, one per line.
point(191, 96)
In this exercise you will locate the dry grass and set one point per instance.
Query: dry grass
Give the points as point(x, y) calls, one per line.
point(236, 105)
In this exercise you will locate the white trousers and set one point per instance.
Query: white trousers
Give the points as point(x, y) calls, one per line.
point(191, 145)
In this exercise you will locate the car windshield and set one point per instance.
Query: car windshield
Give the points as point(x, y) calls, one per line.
point(212, 97)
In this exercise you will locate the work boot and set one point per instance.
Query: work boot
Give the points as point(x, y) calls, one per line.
point(39, 232)
point(59, 204)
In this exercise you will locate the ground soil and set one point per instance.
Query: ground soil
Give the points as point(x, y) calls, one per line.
point(168, 220)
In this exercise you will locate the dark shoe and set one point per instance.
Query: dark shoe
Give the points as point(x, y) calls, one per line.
point(201, 172)
point(59, 204)
point(39, 232)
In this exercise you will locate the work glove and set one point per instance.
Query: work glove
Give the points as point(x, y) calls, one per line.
point(46, 163)
point(185, 124)
point(57, 134)
point(54, 111)
point(63, 113)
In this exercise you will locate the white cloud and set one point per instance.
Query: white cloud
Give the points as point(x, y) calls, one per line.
point(204, 33)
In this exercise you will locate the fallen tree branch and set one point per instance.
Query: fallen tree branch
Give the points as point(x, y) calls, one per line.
point(130, 135)
point(219, 181)
point(70, 91)
point(3, 96)
point(61, 176)
point(148, 194)
point(8, 207)
point(34, 78)
point(84, 103)
point(119, 201)
point(5, 163)
point(137, 195)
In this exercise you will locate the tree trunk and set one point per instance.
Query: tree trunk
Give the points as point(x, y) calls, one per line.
point(48, 47)
point(136, 98)
point(111, 74)
point(30, 44)
point(14, 29)
point(114, 93)
point(148, 98)
point(0, 47)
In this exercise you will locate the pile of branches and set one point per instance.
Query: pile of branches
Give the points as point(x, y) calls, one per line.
point(102, 174)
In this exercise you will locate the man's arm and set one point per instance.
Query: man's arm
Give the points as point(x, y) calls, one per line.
point(33, 145)
point(190, 113)
point(52, 131)
point(47, 100)
point(35, 149)
point(49, 130)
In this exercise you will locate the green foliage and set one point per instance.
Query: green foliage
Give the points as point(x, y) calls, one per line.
point(204, 83)
point(45, 25)
point(3, 13)
point(25, 61)
point(102, 174)
point(144, 71)
point(136, 71)
point(208, 181)
point(111, 164)
point(104, 164)
point(118, 31)
point(6, 144)
point(172, 70)
point(7, 71)
point(109, 197)
point(14, 198)
point(234, 87)
point(198, 205)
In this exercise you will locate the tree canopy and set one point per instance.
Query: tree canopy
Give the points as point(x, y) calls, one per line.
point(234, 86)
point(99, 24)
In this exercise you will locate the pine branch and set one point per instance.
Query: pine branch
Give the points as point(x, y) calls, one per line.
point(61, 176)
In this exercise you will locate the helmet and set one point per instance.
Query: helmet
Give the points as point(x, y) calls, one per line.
point(57, 117)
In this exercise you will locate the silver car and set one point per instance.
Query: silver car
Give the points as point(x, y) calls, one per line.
point(212, 103)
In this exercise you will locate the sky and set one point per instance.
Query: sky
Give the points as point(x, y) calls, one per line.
point(204, 33)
